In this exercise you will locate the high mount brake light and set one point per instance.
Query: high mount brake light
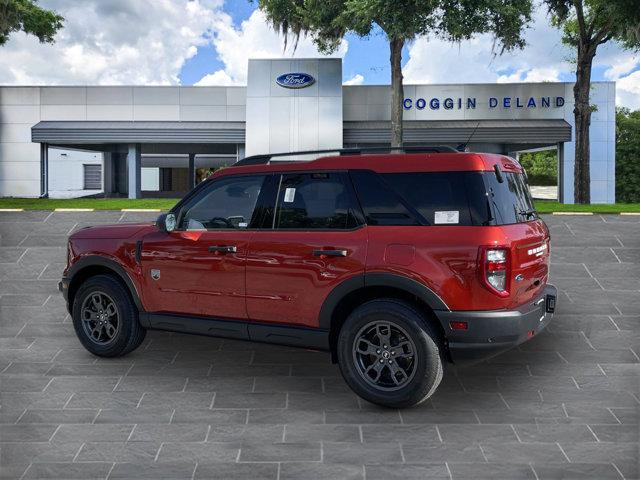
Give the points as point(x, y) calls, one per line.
point(496, 268)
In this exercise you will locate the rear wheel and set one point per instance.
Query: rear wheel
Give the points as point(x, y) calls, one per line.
point(105, 318)
point(389, 355)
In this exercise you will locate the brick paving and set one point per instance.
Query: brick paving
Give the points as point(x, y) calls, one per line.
point(565, 405)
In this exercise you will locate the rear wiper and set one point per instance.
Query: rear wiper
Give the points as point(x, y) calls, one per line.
point(527, 213)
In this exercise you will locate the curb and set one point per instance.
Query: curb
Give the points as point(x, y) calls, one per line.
point(140, 210)
point(74, 209)
point(572, 213)
point(11, 209)
point(630, 213)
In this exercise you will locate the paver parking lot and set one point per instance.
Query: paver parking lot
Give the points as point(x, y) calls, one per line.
point(564, 405)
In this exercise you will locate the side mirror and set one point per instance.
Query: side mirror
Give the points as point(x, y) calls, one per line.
point(166, 222)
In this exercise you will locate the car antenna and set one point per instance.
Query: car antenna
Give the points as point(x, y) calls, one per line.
point(463, 146)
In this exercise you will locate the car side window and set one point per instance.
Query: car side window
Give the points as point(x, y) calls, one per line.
point(320, 200)
point(229, 203)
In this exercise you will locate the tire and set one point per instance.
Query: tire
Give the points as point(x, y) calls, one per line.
point(112, 328)
point(407, 332)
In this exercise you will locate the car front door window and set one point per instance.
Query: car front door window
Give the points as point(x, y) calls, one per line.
point(228, 205)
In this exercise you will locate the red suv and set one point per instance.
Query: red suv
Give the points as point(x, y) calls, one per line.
point(395, 263)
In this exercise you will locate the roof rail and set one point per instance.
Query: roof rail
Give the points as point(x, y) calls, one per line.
point(266, 158)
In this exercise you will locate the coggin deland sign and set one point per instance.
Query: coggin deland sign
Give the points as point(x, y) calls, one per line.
point(469, 103)
point(302, 80)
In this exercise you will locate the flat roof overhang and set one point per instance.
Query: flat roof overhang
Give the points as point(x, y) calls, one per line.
point(355, 132)
point(87, 132)
point(457, 131)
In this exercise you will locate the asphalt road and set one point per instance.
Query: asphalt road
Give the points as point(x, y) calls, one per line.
point(564, 405)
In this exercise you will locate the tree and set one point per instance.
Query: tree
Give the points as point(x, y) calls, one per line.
point(28, 17)
point(627, 155)
point(587, 24)
point(327, 22)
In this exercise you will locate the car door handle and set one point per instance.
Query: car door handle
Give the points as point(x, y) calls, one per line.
point(330, 253)
point(223, 249)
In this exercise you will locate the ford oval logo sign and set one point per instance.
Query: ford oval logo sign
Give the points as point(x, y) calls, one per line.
point(295, 80)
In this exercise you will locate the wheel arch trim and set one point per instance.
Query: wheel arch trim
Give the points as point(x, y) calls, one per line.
point(377, 279)
point(99, 261)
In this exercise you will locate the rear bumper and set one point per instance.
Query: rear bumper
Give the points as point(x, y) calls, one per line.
point(490, 333)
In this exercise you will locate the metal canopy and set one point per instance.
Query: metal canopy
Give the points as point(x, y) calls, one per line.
point(58, 132)
point(546, 132)
point(457, 131)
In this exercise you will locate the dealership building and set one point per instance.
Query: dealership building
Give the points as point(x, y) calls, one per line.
point(147, 141)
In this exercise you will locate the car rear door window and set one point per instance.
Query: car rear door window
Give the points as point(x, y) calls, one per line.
point(321, 200)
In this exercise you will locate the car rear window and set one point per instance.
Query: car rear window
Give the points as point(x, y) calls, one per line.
point(510, 200)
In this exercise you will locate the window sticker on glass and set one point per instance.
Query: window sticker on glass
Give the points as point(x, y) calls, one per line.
point(450, 216)
point(243, 225)
point(289, 195)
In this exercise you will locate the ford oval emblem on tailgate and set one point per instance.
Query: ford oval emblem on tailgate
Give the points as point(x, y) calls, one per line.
point(295, 80)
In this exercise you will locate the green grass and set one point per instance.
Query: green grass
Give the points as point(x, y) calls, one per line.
point(543, 206)
point(95, 203)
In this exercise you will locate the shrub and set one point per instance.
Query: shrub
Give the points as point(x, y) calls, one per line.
point(627, 156)
point(541, 167)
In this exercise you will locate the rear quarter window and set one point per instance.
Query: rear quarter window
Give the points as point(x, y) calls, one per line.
point(418, 198)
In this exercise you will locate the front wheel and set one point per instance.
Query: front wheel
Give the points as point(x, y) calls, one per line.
point(389, 354)
point(105, 318)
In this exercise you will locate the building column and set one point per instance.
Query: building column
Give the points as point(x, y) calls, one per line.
point(240, 152)
point(192, 170)
point(133, 170)
point(560, 154)
point(44, 170)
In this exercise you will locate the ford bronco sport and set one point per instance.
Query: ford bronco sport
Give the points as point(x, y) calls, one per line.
point(395, 263)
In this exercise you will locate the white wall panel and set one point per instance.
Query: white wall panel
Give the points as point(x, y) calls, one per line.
point(109, 95)
point(156, 95)
point(63, 112)
point(203, 96)
point(19, 95)
point(203, 113)
point(121, 113)
point(19, 114)
point(63, 95)
point(156, 112)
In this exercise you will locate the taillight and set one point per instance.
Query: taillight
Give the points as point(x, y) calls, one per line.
point(496, 269)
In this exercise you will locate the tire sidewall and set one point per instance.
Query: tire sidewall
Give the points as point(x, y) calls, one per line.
point(428, 360)
point(127, 314)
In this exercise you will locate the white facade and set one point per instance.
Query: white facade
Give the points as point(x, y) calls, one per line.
point(293, 119)
point(67, 179)
point(277, 119)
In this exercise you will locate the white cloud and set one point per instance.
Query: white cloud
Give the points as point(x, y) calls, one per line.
point(253, 39)
point(432, 60)
point(357, 79)
point(114, 42)
point(622, 65)
point(628, 91)
point(531, 75)
point(219, 77)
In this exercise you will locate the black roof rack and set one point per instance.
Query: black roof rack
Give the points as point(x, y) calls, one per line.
point(268, 157)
